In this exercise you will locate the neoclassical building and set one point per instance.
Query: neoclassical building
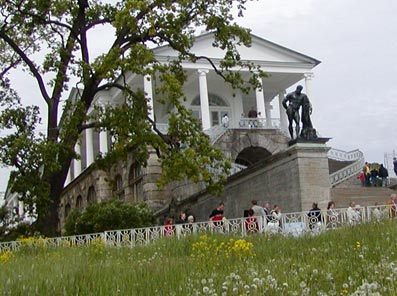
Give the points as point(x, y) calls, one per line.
point(210, 99)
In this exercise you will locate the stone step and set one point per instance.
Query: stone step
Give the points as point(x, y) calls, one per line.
point(364, 196)
point(336, 165)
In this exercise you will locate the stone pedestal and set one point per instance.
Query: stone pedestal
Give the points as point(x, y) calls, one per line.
point(310, 162)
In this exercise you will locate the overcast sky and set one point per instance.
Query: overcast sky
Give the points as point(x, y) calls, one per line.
point(354, 94)
point(355, 86)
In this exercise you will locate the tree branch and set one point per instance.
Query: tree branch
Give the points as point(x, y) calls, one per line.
point(30, 64)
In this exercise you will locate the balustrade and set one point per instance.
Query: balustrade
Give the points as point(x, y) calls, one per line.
point(290, 224)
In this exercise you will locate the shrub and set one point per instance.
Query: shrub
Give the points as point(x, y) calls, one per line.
point(109, 215)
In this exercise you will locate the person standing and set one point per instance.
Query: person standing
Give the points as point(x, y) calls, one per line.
point(374, 177)
point(276, 216)
point(217, 214)
point(251, 223)
point(225, 121)
point(352, 213)
point(267, 209)
point(367, 173)
point(258, 210)
point(395, 165)
point(314, 216)
point(332, 215)
point(392, 205)
point(383, 174)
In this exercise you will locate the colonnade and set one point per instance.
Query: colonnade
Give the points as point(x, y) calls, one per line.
point(262, 106)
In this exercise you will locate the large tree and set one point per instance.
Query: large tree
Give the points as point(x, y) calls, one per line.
point(51, 41)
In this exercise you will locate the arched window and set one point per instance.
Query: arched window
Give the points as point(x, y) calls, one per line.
point(135, 181)
point(213, 100)
point(79, 203)
point(119, 187)
point(67, 210)
point(91, 197)
point(135, 171)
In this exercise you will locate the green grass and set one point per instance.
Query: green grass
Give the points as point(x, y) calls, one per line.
point(360, 260)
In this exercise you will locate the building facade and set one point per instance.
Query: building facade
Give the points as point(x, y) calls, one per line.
point(211, 101)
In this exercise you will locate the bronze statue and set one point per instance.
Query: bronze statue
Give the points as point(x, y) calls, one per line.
point(296, 100)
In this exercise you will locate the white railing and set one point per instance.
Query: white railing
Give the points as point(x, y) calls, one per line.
point(215, 132)
point(341, 155)
point(290, 224)
point(259, 123)
point(350, 170)
point(236, 168)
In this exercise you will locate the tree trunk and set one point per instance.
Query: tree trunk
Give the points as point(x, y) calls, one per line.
point(48, 222)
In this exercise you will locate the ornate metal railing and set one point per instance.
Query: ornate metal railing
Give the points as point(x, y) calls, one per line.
point(348, 171)
point(72, 241)
point(289, 224)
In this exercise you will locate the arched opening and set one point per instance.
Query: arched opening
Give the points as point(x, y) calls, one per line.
point(67, 210)
point(135, 181)
point(118, 188)
point(252, 155)
point(79, 203)
point(91, 197)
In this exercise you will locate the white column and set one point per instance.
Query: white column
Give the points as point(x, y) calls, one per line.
point(309, 93)
point(205, 108)
point(268, 108)
point(77, 162)
point(260, 99)
point(283, 112)
point(103, 142)
point(68, 177)
point(148, 88)
point(89, 146)
point(308, 84)
point(21, 208)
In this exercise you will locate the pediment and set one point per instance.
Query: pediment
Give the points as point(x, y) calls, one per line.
point(261, 50)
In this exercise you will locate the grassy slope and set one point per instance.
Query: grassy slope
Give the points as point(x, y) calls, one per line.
point(339, 262)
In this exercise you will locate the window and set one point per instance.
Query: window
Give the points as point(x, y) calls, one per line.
point(119, 187)
point(135, 181)
point(67, 210)
point(79, 203)
point(218, 107)
point(213, 100)
point(91, 197)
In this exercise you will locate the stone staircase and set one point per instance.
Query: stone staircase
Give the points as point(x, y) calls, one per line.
point(351, 190)
point(344, 169)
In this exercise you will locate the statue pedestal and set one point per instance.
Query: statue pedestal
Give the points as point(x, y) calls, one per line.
point(313, 141)
point(309, 162)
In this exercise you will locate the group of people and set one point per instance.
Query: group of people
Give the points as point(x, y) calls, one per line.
point(369, 175)
point(183, 218)
point(272, 217)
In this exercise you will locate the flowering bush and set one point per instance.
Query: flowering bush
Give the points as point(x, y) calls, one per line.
point(208, 247)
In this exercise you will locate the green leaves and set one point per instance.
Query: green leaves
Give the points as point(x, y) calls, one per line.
point(108, 215)
point(53, 41)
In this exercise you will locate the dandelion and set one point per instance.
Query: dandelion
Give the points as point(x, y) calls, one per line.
point(206, 290)
point(302, 285)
